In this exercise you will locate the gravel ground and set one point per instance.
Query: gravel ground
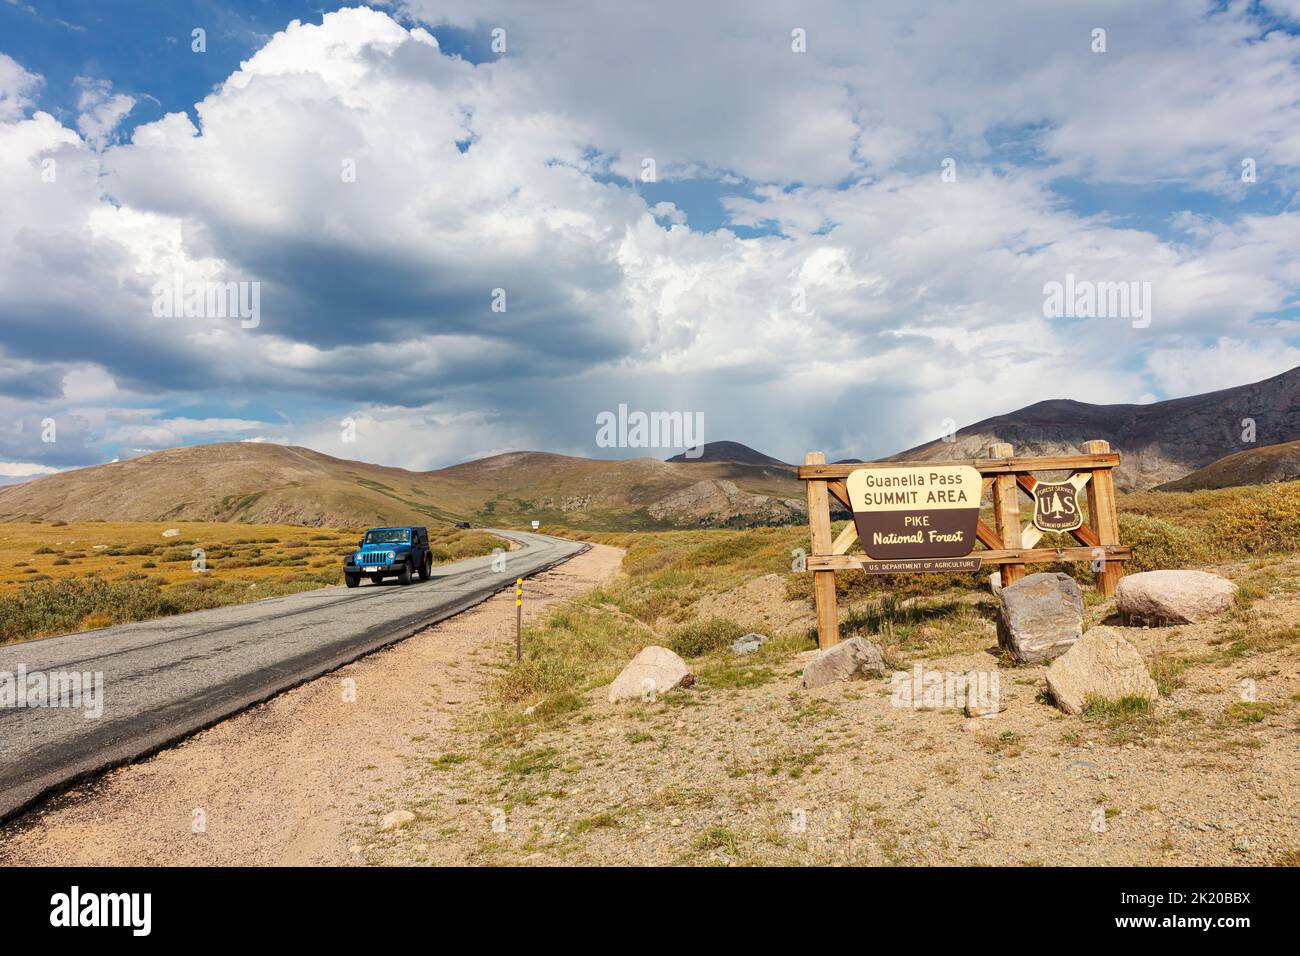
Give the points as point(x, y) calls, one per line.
point(773, 774)
point(295, 780)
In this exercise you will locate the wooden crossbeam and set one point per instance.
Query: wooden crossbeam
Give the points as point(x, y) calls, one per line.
point(840, 492)
point(987, 536)
point(844, 540)
point(1114, 552)
point(986, 466)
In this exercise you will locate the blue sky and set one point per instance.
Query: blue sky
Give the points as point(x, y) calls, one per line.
point(800, 254)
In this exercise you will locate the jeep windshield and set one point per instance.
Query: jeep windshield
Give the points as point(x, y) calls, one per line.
point(388, 536)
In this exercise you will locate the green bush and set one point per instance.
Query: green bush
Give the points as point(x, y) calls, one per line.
point(1157, 544)
point(700, 637)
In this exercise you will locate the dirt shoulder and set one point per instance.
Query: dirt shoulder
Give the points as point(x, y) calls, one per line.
point(303, 778)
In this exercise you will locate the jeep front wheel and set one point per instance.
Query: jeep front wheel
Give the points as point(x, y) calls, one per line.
point(404, 575)
point(352, 580)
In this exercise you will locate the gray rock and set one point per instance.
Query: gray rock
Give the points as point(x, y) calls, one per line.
point(854, 659)
point(656, 670)
point(1172, 597)
point(748, 643)
point(1103, 665)
point(1041, 617)
point(396, 819)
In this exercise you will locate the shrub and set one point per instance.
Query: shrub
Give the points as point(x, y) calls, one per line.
point(1268, 520)
point(700, 637)
point(1158, 544)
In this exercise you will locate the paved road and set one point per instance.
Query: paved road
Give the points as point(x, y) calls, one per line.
point(165, 679)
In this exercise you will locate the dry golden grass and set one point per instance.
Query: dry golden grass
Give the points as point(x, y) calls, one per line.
point(137, 551)
point(56, 577)
point(130, 550)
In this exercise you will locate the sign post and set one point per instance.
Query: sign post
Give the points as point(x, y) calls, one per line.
point(519, 617)
point(925, 517)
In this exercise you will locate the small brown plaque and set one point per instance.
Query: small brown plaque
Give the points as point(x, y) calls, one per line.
point(921, 565)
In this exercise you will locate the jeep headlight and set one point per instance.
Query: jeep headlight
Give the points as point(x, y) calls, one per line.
point(391, 555)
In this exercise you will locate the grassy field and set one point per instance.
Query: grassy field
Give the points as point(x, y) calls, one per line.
point(60, 576)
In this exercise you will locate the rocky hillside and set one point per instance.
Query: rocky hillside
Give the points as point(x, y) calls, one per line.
point(1256, 466)
point(267, 483)
point(1160, 442)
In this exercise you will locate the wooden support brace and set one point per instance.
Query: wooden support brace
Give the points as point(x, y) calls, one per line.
point(819, 523)
point(1006, 512)
point(1102, 519)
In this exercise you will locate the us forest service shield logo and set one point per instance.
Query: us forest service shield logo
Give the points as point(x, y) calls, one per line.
point(1056, 506)
point(915, 513)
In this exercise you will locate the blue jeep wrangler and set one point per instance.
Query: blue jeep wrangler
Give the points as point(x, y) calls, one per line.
point(390, 552)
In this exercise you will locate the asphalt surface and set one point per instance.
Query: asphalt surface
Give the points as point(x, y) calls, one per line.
point(168, 678)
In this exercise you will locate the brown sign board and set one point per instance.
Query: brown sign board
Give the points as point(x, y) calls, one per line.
point(1056, 506)
point(906, 514)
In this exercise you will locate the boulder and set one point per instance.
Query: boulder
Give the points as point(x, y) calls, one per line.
point(1172, 597)
point(656, 670)
point(396, 819)
point(748, 643)
point(1101, 664)
point(854, 659)
point(1041, 617)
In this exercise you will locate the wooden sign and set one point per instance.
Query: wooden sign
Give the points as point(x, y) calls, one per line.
point(1056, 506)
point(907, 517)
point(906, 514)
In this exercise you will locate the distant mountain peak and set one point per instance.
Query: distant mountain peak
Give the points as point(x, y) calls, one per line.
point(728, 451)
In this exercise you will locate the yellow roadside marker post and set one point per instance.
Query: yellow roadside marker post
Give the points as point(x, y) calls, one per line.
point(519, 616)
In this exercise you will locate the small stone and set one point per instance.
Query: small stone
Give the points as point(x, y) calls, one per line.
point(749, 643)
point(854, 659)
point(984, 709)
point(396, 819)
point(171, 532)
